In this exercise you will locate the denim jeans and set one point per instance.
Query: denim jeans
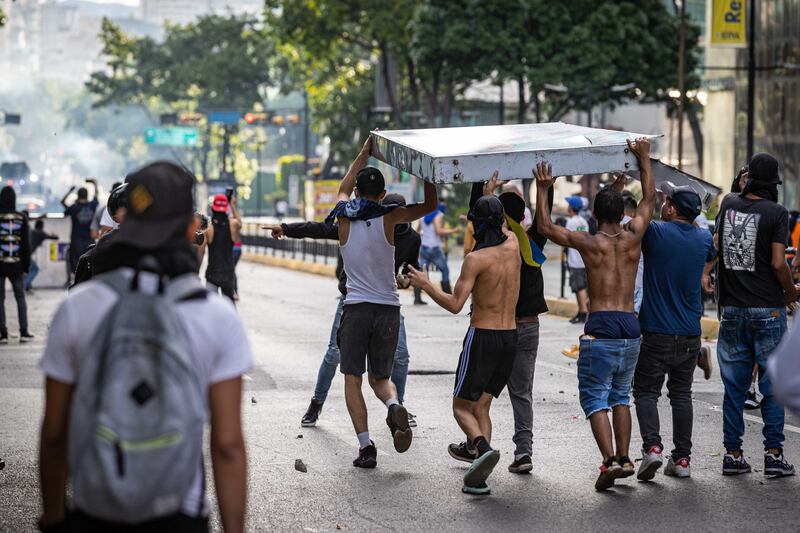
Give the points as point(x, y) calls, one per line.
point(520, 386)
point(747, 336)
point(674, 357)
point(436, 256)
point(32, 272)
point(605, 373)
point(19, 295)
point(330, 361)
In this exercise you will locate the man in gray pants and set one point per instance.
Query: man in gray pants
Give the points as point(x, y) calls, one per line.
point(530, 305)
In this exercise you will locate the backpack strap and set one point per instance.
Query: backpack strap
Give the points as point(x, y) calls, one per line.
point(184, 287)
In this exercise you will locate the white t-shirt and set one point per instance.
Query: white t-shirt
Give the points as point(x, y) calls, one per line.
point(429, 237)
point(216, 334)
point(576, 223)
point(106, 220)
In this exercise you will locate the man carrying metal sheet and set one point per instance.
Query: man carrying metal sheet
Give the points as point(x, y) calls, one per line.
point(370, 324)
point(491, 274)
point(609, 347)
point(530, 305)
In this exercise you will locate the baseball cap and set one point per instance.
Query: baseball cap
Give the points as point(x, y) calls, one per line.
point(220, 203)
point(575, 202)
point(369, 180)
point(160, 205)
point(684, 198)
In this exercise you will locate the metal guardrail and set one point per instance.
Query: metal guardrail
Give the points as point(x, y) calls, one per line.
point(259, 241)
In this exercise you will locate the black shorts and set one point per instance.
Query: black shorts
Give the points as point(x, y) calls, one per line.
point(485, 363)
point(577, 279)
point(367, 339)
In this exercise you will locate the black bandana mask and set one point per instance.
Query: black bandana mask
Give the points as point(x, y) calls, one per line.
point(487, 217)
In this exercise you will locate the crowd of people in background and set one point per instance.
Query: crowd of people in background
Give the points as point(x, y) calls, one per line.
point(135, 264)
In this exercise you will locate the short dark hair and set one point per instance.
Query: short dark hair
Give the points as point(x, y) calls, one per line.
point(83, 194)
point(39, 224)
point(609, 206)
point(370, 182)
point(630, 203)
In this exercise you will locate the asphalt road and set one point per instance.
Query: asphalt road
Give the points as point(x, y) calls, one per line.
point(288, 316)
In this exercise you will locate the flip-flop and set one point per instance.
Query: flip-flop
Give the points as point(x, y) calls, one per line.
point(402, 432)
point(481, 468)
point(477, 491)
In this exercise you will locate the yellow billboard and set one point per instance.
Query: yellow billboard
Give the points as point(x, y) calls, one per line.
point(728, 23)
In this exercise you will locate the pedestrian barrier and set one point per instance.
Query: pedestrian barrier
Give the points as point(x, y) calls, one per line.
point(258, 241)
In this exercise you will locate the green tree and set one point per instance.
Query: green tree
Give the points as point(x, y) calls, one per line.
point(215, 62)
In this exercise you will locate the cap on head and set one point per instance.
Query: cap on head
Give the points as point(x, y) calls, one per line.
point(764, 168)
point(575, 203)
point(513, 205)
point(370, 182)
point(160, 205)
point(487, 210)
point(394, 198)
point(685, 199)
point(220, 203)
point(117, 199)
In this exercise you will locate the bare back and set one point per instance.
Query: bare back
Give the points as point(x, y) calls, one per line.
point(611, 264)
point(496, 288)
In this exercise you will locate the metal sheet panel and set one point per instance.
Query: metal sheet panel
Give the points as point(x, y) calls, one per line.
point(469, 154)
point(454, 155)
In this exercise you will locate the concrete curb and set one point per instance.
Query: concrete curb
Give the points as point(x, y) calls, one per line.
point(319, 269)
point(558, 306)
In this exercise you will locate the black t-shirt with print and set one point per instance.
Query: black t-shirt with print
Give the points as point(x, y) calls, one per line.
point(747, 229)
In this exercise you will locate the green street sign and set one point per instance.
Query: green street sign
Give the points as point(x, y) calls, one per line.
point(171, 136)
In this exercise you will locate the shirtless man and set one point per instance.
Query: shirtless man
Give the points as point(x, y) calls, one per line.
point(609, 347)
point(490, 273)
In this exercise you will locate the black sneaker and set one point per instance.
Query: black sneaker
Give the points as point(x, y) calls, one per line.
point(522, 465)
point(460, 452)
point(312, 414)
point(367, 457)
point(777, 466)
point(4, 337)
point(25, 336)
point(2, 464)
point(733, 466)
point(397, 420)
point(576, 319)
point(751, 402)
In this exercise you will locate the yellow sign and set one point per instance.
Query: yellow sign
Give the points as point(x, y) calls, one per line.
point(325, 196)
point(728, 23)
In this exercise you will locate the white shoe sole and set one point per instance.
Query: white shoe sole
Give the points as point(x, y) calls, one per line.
point(648, 471)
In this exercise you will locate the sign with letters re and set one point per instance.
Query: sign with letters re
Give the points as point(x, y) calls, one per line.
point(728, 23)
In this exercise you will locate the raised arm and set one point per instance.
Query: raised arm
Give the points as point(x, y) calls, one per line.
point(463, 288)
point(93, 181)
point(644, 211)
point(304, 230)
point(349, 181)
point(64, 199)
point(410, 213)
point(544, 223)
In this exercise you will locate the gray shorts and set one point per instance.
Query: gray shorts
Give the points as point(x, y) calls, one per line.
point(367, 339)
point(577, 279)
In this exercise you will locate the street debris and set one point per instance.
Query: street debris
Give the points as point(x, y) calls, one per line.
point(300, 466)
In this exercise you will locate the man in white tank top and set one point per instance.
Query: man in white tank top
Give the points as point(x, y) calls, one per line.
point(371, 318)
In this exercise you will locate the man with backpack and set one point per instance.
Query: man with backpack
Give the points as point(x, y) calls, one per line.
point(131, 379)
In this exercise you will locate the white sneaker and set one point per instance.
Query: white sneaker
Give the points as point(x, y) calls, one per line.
point(651, 462)
point(679, 468)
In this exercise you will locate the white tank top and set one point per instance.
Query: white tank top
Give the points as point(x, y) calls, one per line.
point(429, 237)
point(369, 264)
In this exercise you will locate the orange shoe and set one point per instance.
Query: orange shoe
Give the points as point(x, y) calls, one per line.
point(572, 352)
